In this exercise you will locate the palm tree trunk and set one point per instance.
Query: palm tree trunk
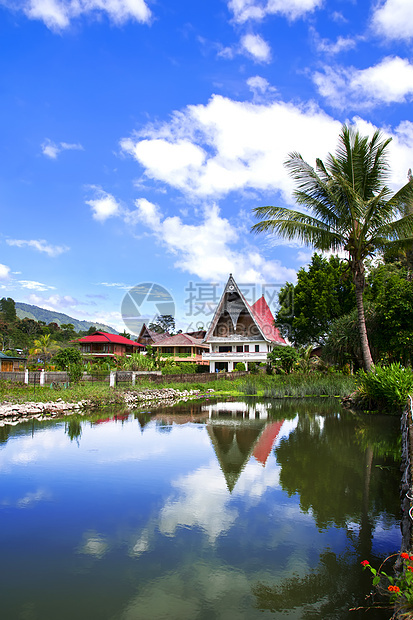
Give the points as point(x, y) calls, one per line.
point(365, 348)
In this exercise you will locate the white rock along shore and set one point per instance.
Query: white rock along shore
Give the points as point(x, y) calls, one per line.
point(14, 413)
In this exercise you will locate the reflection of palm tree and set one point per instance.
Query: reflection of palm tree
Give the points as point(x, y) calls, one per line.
point(350, 207)
point(74, 429)
point(331, 467)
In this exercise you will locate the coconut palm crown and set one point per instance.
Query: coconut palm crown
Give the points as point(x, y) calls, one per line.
point(348, 206)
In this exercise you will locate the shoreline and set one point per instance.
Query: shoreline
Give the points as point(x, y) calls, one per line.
point(14, 413)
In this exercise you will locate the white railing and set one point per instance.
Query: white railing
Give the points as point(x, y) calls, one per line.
point(212, 355)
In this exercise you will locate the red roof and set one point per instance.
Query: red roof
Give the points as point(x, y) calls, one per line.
point(104, 337)
point(265, 443)
point(263, 315)
point(181, 340)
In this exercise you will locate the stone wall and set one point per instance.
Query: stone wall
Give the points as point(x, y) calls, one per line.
point(406, 491)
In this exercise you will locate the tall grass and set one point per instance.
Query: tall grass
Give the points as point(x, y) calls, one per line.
point(276, 386)
point(385, 387)
point(312, 384)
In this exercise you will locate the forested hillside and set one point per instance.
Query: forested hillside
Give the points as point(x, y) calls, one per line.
point(50, 316)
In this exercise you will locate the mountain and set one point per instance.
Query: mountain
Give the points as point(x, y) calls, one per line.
point(50, 316)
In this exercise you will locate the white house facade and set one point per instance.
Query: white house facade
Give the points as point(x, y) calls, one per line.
point(240, 332)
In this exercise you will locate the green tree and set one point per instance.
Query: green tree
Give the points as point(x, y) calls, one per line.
point(349, 207)
point(392, 295)
point(324, 292)
point(64, 357)
point(44, 347)
point(343, 344)
point(283, 358)
point(163, 323)
point(8, 309)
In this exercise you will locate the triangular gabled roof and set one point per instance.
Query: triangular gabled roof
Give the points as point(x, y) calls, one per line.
point(265, 318)
point(154, 336)
point(259, 312)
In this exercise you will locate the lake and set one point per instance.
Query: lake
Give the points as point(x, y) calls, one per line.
point(205, 511)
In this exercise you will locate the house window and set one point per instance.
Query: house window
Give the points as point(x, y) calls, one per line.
point(86, 348)
point(240, 348)
point(257, 348)
point(225, 349)
point(247, 348)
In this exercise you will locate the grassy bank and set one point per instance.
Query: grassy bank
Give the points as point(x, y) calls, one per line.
point(277, 386)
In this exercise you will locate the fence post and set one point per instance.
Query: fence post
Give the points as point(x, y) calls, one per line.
point(133, 378)
point(26, 376)
point(42, 374)
point(112, 378)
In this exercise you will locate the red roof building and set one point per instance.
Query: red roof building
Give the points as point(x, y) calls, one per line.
point(101, 344)
point(182, 348)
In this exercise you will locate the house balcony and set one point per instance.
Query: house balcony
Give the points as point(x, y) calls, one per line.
point(198, 359)
point(253, 356)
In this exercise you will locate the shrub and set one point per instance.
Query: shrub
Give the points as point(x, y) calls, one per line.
point(283, 358)
point(182, 368)
point(66, 357)
point(75, 372)
point(385, 387)
point(240, 366)
point(253, 368)
point(248, 387)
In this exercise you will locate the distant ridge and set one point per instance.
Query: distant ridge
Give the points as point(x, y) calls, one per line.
point(49, 316)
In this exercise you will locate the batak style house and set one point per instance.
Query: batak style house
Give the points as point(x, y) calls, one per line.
point(240, 332)
point(101, 344)
point(182, 348)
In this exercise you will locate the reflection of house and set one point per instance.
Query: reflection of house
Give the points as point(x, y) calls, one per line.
point(182, 348)
point(9, 363)
point(240, 332)
point(234, 443)
point(101, 345)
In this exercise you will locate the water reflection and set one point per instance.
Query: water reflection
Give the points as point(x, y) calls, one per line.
point(213, 510)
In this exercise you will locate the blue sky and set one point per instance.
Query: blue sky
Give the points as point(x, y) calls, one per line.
point(137, 136)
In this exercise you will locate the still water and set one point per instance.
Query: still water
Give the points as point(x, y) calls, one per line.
point(213, 511)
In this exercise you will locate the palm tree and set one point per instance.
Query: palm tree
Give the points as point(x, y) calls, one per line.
point(349, 207)
point(44, 346)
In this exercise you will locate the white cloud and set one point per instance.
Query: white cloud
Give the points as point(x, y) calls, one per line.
point(104, 205)
point(193, 506)
point(393, 19)
point(4, 272)
point(390, 81)
point(40, 245)
point(342, 44)
point(94, 545)
point(54, 302)
point(204, 249)
point(256, 47)
point(258, 84)
point(219, 158)
point(57, 14)
point(35, 286)
point(245, 10)
point(52, 150)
